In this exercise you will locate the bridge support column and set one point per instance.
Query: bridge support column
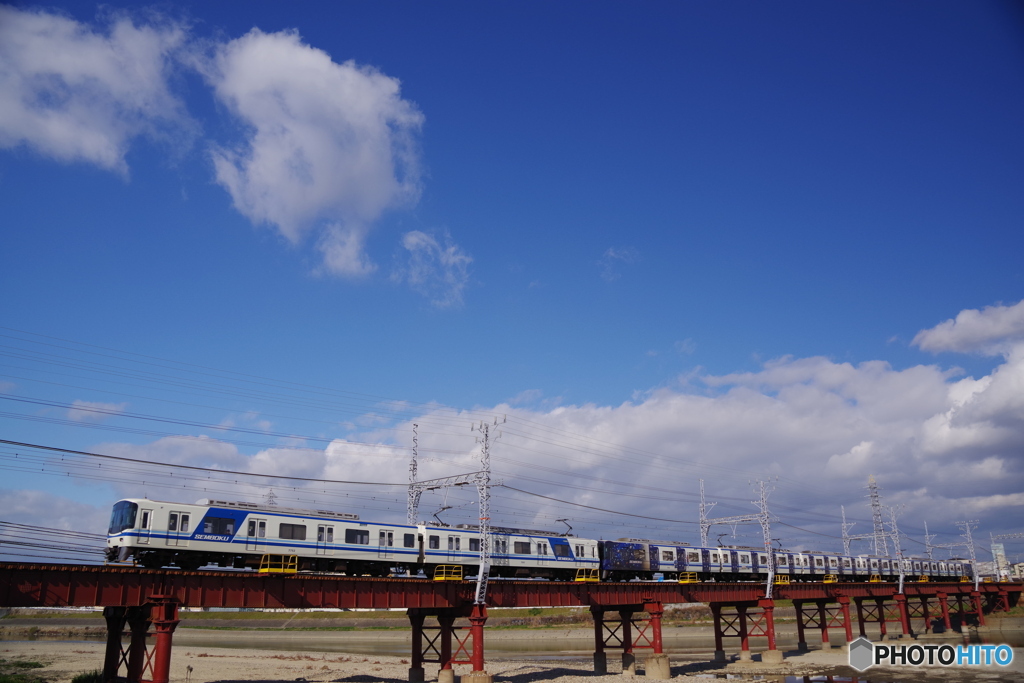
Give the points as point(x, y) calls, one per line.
point(801, 639)
point(164, 615)
point(477, 619)
point(860, 616)
point(628, 658)
point(416, 672)
point(844, 606)
point(772, 655)
point(901, 605)
point(446, 673)
point(138, 621)
point(600, 658)
point(114, 654)
point(716, 613)
point(976, 602)
point(926, 614)
point(880, 605)
point(947, 626)
point(826, 644)
point(657, 665)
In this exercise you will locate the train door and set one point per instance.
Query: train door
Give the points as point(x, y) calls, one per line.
point(145, 525)
point(542, 553)
point(705, 560)
point(734, 562)
point(499, 554)
point(454, 548)
point(256, 534)
point(324, 539)
point(385, 544)
point(179, 528)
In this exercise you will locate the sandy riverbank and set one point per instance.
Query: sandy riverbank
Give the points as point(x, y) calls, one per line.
point(190, 664)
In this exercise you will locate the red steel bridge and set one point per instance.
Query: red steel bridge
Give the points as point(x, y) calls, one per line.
point(139, 600)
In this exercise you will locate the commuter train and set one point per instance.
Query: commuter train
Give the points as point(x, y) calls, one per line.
point(235, 534)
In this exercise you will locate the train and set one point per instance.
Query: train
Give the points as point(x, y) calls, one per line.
point(241, 535)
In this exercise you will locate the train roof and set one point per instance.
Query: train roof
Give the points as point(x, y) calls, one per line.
point(276, 508)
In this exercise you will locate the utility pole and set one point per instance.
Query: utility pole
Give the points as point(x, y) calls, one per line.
point(928, 538)
point(483, 488)
point(765, 519)
point(968, 526)
point(846, 532)
point(897, 546)
point(705, 526)
point(881, 548)
point(412, 509)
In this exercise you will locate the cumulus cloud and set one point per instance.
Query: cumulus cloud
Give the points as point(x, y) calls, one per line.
point(946, 446)
point(990, 331)
point(330, 146)
point(612, 260)
point(40, 508)
point(91, 411)
point(73, 93)
point(437, 270)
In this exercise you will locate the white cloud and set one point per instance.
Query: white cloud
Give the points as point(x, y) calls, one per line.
point(686, 347)
point(946, 446)
point(40, 508)
point(91, 411)
point(613, 258)
point(75, 94)
point(438, 271)
point(329, 146)
point(991, 331)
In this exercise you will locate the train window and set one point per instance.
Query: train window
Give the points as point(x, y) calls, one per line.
point(357, 536)
point(885, 564)
point(172, 521)
point(846, 562)
point(224, 526)
point(762, 559)
point(833, 562)
point(386, 538)
point(668, 556)
point(123, 516)
point(693, 557)
point(320, 534)
point(782, 560)
point(330, 534)
point(296, 532)
point(474, 545)
point(501, 545)
point(715, 559)
point(542, 548)
point(454, 543)
point(409, 540)
point(521, 547)
point(145, 520)
point(744, 559)
point(434, 542)
point(561, 550)
point(819, 562)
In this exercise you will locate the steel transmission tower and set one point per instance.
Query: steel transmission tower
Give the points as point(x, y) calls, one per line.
point(881, 547)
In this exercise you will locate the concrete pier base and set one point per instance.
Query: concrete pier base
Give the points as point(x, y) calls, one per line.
point(771, 657)
point(600, 663)
point(658, 667)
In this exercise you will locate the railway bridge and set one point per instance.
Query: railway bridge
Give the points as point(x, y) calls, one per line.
point(627, 616)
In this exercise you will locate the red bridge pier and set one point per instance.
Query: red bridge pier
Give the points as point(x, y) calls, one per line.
point(619, 635)
point(743, 624)
point(162, 613)
point(433, 644)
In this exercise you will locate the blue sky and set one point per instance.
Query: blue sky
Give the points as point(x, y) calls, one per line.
point(690, 229)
